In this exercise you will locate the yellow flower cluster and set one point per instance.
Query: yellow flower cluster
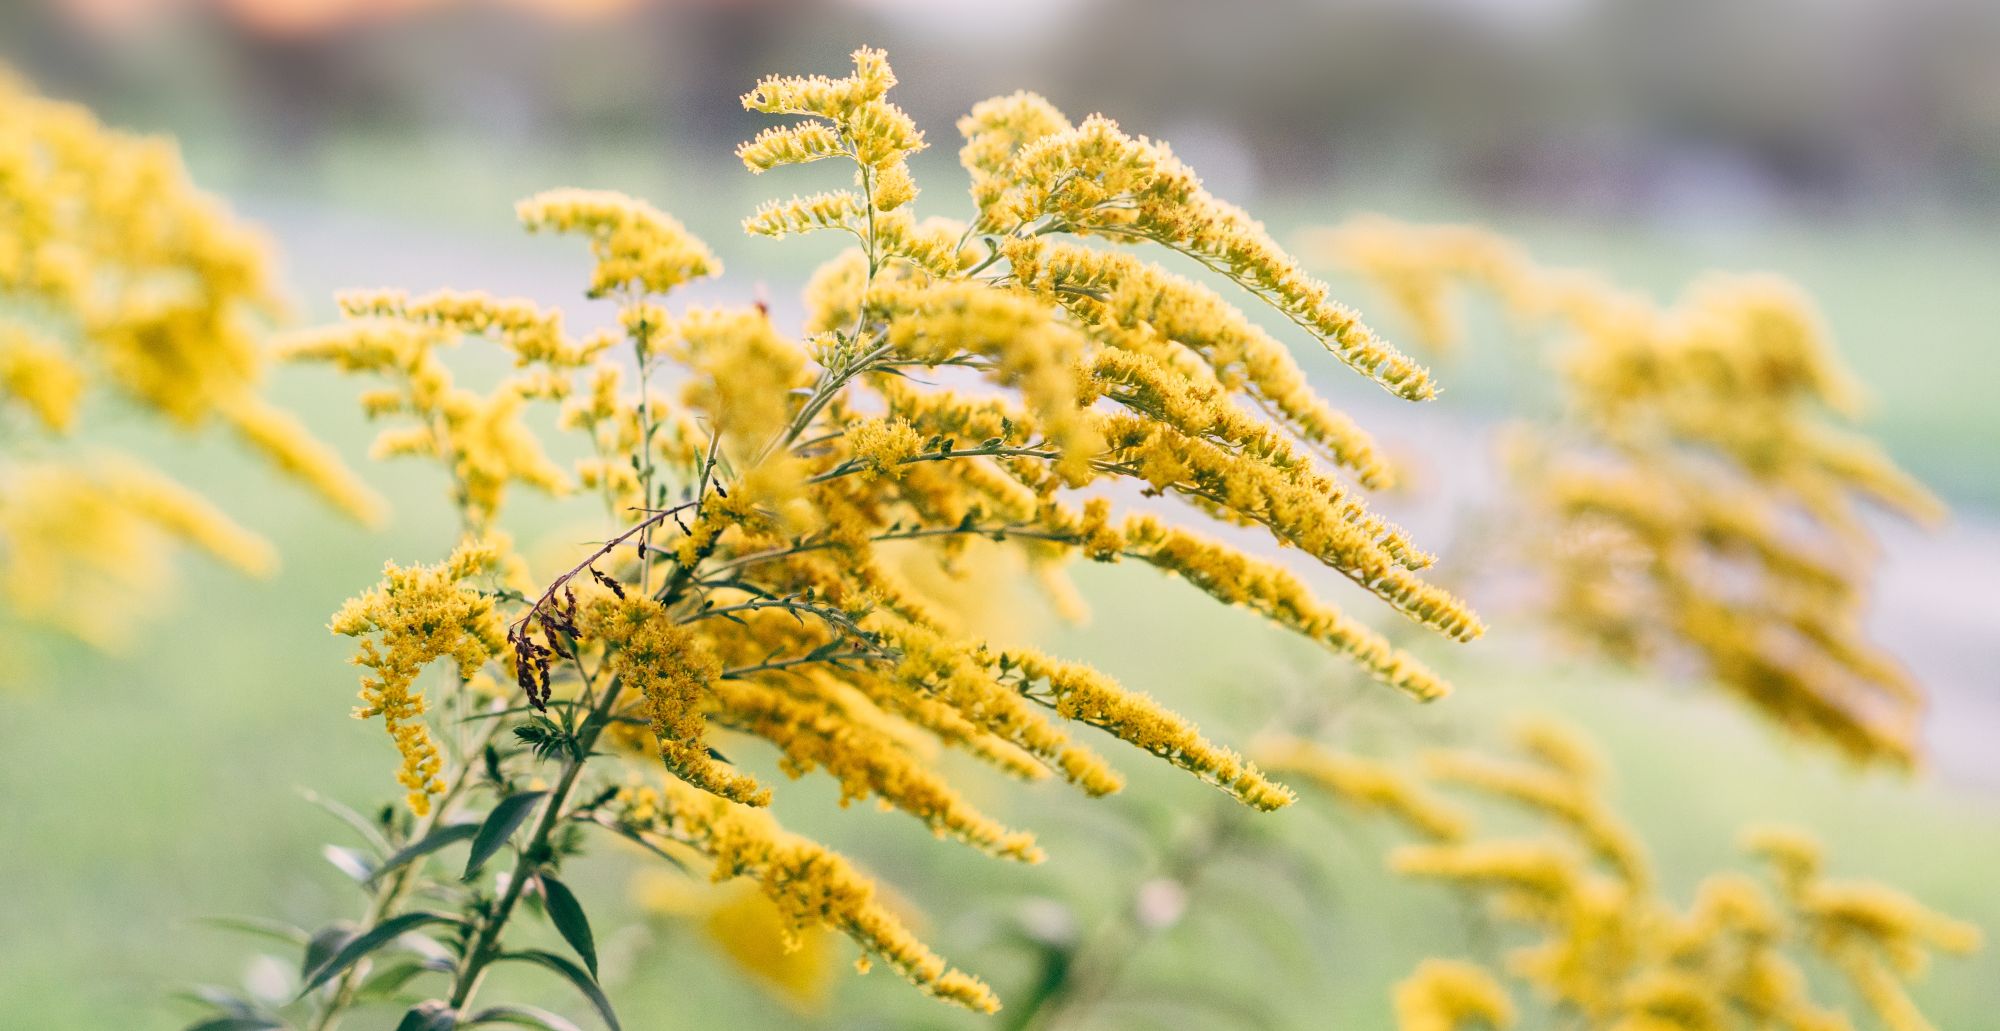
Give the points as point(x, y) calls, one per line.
point(82, 542)
point(775, 514)
point(1367, 784)
point(810, 884)
point(672, 671)
point(1451, 995)
point(1093, 179)
point(115, 272)
point(848, 117)
point(639, 249)
point(481, 439)
point(1602, 949)
point(1704, 479)
point(415, 616)
point(796, 964)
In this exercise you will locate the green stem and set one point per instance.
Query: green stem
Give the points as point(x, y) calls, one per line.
point(485, 947)
point(390, 896)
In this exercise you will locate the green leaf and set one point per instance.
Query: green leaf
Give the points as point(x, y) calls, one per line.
point(567, 914)
point(323, 944)
point(276, 930)
point(429, 1016)
point(448, 834)
point(390, 980)
point(217, 997)
point(522, 1016)
point(368, 941)
point(639, 840)
point(362, 825)
point(547, 739)
point(500, 825)
point(352, 862)
point(576, 976)
point(236, 1024)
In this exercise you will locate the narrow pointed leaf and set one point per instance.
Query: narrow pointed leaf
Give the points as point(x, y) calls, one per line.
point(500, 825)
point(368, 941)
point(429, 1016)
point(362, 825)
point(390, 980)
point(236, 1024)
point(567, 914)
point(522, 1016)
point(276, 930)
point(636, 839)
point(449, 834)
point(576, 975)
point(352, 862)
point(324, 943)
point(219, 998)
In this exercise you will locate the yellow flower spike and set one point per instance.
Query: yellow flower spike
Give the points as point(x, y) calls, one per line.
point(883, 135)
point(1270, 590)
point(1886, 918)
point(838, 210)
point(1030, 351)
point(1733, 902)
point(186, 515)
point(1562, 747)
point(1080, 693)
point(82, 543)
point(1417, 268)
point(1671, 1001)
point(748, 370)
point(36, 373)
point(415, 616)
point(1367, 784)
point(1543, 874)
point(1556, 796)
point(791, 145)
point(819, 95)
point(994, 132)
point(281, 438)
point(670, 669)
point(866, 762)
point(958, 675)
point(931, 246)
point(1795, 854)
point(1451, 995)
point(810, 884)
point(637, 247)
point(878, 135)
point(1095, 179)
point(1138, 295)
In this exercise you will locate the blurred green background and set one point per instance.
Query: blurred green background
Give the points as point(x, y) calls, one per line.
point(1854, 147)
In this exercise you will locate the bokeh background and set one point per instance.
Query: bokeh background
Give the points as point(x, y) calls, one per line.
point(1851, 144)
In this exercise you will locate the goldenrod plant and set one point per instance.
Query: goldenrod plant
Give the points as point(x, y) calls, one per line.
point(1596, 943)
point(1703, 477)
point(1014, 381)
point(123, 287)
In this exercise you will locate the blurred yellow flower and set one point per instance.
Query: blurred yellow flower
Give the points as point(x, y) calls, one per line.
point(118, 277)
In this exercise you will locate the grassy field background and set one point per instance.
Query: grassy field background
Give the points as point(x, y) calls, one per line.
point(151, 789)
